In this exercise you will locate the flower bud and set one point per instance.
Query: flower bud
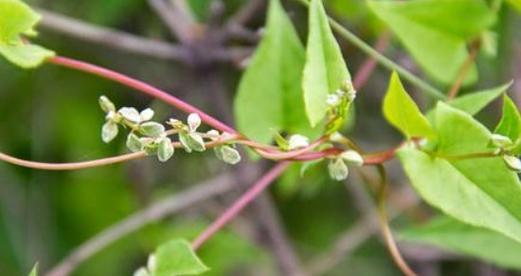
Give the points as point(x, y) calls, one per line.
point(106, 105)
point(109, 131)
point(228, 154)
point(130, 114)
point(213, 134)
point(512, 162)
point(152, 129)
point(165, 149)
point(500, 141)
point(338, 169)
point(297, 141)
point(333, 100)
point(352, 157)
point(194, 121)
point(192, 141)
point(134, 143)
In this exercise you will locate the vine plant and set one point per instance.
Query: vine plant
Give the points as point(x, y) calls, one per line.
point(454, 162)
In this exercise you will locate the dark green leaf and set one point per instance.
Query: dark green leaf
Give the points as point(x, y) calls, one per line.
point(270, 94)
point(401, 111)
point(453, 235)
point(325, 70)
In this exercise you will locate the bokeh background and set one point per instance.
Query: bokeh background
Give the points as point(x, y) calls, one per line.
point(51, 114)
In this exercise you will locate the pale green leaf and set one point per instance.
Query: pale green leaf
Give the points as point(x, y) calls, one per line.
point(453, 235)
point(476, 101)
point(479, 191)
point(270, 97)
point(17, 19)
point(325, 70)
point(25, 55)
point(516, 4)
point(435, 32)
point(177, 258)
point(34, 271)
point(510, 124)
point(401, 111)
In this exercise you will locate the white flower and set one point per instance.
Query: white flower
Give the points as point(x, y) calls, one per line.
point(194, 121)
point(130, 114)
point(298, 141)
point(352, 157)
point(333, 100)
point(338, 169)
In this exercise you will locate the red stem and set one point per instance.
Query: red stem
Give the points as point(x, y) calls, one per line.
point(143, 87)
point(238, 205)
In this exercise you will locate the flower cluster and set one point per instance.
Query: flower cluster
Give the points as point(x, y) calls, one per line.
point(152, 137)
point(504, 146)
point(339, 102)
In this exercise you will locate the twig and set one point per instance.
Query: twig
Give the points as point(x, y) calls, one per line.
point(464, 69)
point(132, 43)
point(216, 186)
point(176, 21)
point(238, 205)
point(353, 237)
point(386, 230)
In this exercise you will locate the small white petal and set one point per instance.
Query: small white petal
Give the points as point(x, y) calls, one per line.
point(165, 149)
point(228, 155)
point(512, 162)
point(106, 105)
point(141, 272)
point(500, 141)
point(333, 100)
point(152, 129)
point(134, 143)
point(298, 141)
point(109, 131)
point(146, 115)
point(194, 121)
point(130, 114)
point(151, 263)
point(213, 134)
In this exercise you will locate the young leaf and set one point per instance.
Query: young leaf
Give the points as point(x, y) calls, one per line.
point(475, 102)
point(401, 111)
point(453, 235)
point(270, 94)
point(482, 192)
point(17, 19)
point(435, 32)
point(34, 271)
point(325, 70)
point(510, 124)
point(177, 258)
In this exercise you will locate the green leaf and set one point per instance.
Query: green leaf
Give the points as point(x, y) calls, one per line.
point(325, 70)
point(401, 111)
point(34, 271)
point(435, 32)
point(510, 124)
point(479, 191)
point(453, 235)
point(475, 102)
point(16, 19)
point(177, 258)
point(270, 97)
point(516, 4)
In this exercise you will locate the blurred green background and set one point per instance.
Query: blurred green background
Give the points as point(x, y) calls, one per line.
point(51, 114)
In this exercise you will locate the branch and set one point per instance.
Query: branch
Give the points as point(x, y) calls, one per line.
point(175, 203)
point(132, 43)
point(110, 38)
point(464, 69)
point(242, 202)
point(176, 20)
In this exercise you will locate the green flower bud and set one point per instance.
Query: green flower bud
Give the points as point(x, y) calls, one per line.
point(134, 143)
point(106, 105)
point(352, 157)
point(165, 149)
point(338, 169)
point(152, 129)
point(500, 141)
point(228, 154)
point(192, 141)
